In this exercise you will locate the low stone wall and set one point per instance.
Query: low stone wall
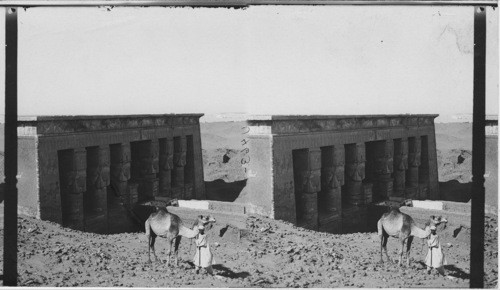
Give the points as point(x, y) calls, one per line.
point(421, 215)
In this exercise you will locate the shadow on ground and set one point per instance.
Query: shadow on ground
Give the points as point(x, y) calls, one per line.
point(226, 272)
point(451, 270)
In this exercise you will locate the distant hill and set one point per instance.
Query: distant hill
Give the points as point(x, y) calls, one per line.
point(454, 151)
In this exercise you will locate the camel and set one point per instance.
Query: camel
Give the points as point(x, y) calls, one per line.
point(165, 224)
point(400, 225)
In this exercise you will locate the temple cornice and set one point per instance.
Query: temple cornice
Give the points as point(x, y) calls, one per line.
point(54, 125)
point(296, 124)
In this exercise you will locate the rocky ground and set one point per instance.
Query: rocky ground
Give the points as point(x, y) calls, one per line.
point(268, 254)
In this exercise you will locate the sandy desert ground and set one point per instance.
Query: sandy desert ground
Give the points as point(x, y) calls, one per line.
point(269, 254)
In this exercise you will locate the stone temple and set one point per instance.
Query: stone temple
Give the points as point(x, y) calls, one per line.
point(318, 172)
point(321, 172)
point(81, 171)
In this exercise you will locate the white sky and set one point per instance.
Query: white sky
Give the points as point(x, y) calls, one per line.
point(261, 60)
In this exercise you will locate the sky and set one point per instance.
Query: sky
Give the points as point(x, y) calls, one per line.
point(258, 60)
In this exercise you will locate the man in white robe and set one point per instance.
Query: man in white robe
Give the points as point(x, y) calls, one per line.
point(435, 257)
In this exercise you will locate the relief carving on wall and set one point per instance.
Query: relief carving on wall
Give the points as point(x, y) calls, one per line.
point(384, 162)
point(332, 174)
point(120, 171)
point(356, 171)
point(167, 156)
point(414, 154)
point(78, 176)
point(149, 161)
point(332, 177)
point(355, 167)
point(401, 156)
point(167, 162)
point(309, 181)
point(98, 174)
point(180, 159)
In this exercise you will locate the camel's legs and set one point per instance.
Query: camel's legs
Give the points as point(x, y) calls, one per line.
point(149, 248)
point(381, 242)
point(147, 228)
point(408, 247)
point(152, 240)
point(170, 241)
point(402, 251)
point(384, 245)
point(176, 249)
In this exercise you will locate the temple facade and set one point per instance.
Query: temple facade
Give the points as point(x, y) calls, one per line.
point(82, 171)
point(321, 172)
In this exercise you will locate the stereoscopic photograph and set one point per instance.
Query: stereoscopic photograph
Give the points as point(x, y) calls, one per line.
point(249, 144)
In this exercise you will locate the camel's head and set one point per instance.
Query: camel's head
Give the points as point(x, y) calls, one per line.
point(206, 220)
point(407, 203)
point(173, 202)
point(436, 220)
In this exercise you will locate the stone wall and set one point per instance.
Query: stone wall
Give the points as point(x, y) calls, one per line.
point(78, 170)
point(322, 169)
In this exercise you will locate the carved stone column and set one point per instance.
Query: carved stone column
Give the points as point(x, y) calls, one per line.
point(332, 179)
point(423, 172)
point(189, 169)
point(180, 147)
point(120, 170)
point(307, 175)
point(149, 164)
point(166, 166)
point(98, 178)
point(383, 168)
point(412, 190)
point(73, 166)
point(50, 191)
point(400, 166)
point(355, 157)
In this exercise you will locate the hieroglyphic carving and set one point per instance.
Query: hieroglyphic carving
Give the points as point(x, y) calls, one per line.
point(384, 162)
point(355, 169)
point(332, 178)
point(332, 173)
point(73, 181)
point(180, 148)
point(98, 169)
point(120, 168)
point(166, 166)
point(180, 155)
point(78, 180)
point(401, 154)
point(149, 160)
point(355, 164)
point(98, 177)
point(414, 160)
point(414, 152)
point(400, 165)
point(384, 166)
point(307, 171)
point(167, 155)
